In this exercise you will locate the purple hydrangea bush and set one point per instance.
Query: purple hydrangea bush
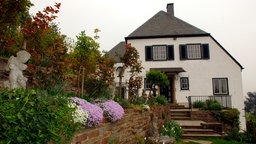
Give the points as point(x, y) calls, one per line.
point(112, 110)
point(95, 113)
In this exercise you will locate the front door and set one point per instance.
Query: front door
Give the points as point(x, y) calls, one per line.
point(168, 90)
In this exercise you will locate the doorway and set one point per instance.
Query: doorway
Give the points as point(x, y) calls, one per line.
point(168, 91)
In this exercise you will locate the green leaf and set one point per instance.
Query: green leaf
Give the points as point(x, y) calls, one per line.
point(20, 139)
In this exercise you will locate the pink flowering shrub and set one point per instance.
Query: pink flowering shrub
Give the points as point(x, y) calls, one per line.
point(112, 110)
point(95, 113)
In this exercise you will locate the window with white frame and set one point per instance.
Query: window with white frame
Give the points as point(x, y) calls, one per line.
point(184, 83)
point(194, 51)
point(147, 85)
point(159, 52)
point(220, 86)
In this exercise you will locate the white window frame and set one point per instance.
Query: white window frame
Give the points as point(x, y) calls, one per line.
point(220, 86)
point(147, 85)
point(184, 83)
point(194, 51)
point(159, 52)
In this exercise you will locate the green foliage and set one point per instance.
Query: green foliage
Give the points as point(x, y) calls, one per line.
point(161, 99)
point(30, 118)
point(250, 103)
point(139, 100)
point(157, 78)
point(47, 65)
point(85, 53)
point(96, 88)
point(123, 102)
point(93, 69)
point(198, 104)
point(212, 105)
point(251, 127)
point(229, 116)
point(172, 129)
point(232, 116)
point(12, 16)
point(152, 101)
point(236, 136)
point(163, 115)
point(222, 141)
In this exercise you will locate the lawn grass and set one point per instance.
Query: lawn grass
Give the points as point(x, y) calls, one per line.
point(213, 140)
point(223, 141)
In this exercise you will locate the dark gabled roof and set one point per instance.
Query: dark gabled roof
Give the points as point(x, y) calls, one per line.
point(119, 49)
point(164, 24)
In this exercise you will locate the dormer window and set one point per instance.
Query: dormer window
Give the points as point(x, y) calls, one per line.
point(194, 51)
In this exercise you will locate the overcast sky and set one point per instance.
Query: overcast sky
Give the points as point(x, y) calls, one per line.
point(231, 22)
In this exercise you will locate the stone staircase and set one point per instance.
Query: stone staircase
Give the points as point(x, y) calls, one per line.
point(193, 128)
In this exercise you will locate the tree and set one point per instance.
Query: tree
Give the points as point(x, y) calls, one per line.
point(156, 78)
point(94, 69)
point(250, 103)
point(37, 35)
point(12, 16)
point(130, 61)
point(85, 53)
point(47, 66)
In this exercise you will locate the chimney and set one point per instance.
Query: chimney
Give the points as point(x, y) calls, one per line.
point(170, 9)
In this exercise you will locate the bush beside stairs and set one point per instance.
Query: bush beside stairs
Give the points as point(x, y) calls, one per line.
point(194, 128)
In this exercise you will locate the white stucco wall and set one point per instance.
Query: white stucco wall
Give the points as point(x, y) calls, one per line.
point(199, 72)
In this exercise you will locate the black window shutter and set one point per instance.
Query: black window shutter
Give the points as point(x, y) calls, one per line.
point(183, 55)
point(170, 52)
point(205, 51)
point(148, 53)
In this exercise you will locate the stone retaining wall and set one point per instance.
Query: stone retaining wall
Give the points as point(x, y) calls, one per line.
point(135, 123)
point(203, 115)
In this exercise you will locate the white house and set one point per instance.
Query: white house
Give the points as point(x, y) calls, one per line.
point(196, 64)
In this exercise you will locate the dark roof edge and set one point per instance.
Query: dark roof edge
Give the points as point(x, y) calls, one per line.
point(167, 36)
point(227, 53)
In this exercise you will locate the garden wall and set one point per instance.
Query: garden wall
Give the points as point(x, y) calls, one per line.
point(203, 116)
point(135, 123)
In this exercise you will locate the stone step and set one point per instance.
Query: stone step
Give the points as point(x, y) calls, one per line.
point(181, 118)
point(177, 106)
point(198, 131)
point(181, 109)
point(200, 135)
point(180, 114)
point(191, 127)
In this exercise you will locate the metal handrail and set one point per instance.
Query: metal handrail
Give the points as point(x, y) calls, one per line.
point(224, 100)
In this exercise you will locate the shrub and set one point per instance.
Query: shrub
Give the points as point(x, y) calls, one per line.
point(172, 129)
point(199, 104)
point(250, 103)
point(212, 105)
point(251, 126)
point(161, 99)
point(95, 113)
point(139, 100)
point(234, 135)
point(30, 118)
point(112, 110)
point(231, 116)
point(123, 102)
point(152, 101)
